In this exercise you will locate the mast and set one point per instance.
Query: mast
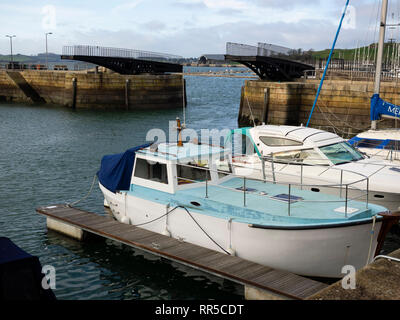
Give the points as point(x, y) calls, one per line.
point(328, 61)
point(379, 57)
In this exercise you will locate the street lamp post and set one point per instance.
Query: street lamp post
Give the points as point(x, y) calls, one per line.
point(12, 61)
point(47, 62)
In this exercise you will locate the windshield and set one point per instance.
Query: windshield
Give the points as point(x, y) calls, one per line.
point(304, 156)
point(193, 171)
point(341, 153)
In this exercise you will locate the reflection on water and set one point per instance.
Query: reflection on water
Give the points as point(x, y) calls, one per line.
point(105, 269)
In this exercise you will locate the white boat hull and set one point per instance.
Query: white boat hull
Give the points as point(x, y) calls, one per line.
point(311, 252)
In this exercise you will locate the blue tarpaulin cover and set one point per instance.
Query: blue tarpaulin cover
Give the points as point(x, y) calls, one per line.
point(116, 169)
point(20, 274)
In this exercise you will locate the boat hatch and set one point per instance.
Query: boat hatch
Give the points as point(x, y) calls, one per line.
point(247, 189)
point(343, 210)
point(285, 197)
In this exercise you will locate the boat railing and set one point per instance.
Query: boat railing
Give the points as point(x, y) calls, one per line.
point(287, 162)
point(347, 187)
point(391, 149)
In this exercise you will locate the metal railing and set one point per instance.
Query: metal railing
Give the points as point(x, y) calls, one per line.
point(291, 196)
point(392, 151)
point(262, 49)
point(52, 66)
point(96, 51)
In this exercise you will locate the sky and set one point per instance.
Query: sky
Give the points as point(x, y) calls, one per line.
point(188, 28)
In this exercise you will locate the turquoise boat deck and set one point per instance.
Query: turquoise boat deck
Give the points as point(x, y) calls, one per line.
point(266, 204)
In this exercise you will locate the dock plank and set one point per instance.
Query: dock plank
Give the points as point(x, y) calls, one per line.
point(218, 263)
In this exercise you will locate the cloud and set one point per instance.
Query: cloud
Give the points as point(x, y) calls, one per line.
point(230, 12)
point(126, 6)
point(190, 5)
point(285, 3)
point(226, 4)
point(154, 26)
point(188, 28)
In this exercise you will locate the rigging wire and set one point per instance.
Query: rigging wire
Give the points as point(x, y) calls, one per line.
point(329, 59)
point(251, 112)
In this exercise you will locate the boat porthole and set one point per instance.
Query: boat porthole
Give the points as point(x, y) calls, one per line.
point(379, 196)
point(315, 189)
point(195, 203)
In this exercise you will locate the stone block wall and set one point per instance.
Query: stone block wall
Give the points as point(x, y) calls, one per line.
point(98, 90)
point(343, 106)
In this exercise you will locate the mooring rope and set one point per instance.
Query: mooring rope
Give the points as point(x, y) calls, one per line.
point(251, 112)
point(182, 207)
point(372, 238)
point(158, 218)
point(85, 197)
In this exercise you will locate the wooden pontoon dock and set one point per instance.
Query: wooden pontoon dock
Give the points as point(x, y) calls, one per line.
point(260, 282)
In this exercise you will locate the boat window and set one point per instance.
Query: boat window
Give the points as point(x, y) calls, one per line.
point(277, 142)
point(305, 156)
point(194, 171)
point(341, 152)
point(368, 143)
point(151, 170)
point(224, 167)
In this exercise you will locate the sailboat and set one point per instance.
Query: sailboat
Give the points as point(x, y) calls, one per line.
point(382, 143)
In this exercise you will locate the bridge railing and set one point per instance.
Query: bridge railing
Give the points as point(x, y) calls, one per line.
point(262, 49)
point(96, 51)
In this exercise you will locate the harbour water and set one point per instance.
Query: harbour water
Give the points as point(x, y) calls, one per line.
point(50, 155)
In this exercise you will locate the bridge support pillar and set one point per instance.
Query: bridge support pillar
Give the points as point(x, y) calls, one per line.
point(74, 87)
point(127, 83)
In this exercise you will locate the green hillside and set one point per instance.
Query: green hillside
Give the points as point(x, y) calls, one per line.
point(349, 54)
point(40, 58)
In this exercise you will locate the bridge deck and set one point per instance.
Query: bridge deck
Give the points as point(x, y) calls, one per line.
point(272, 68)
point(128, 65)
point(278, 283)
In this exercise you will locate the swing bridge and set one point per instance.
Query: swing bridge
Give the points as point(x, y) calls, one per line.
point(124, 61)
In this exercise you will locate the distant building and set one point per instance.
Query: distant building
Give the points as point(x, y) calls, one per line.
point(212, 59)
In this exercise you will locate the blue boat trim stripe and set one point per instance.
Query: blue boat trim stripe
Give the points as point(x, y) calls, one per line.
point(321, 226)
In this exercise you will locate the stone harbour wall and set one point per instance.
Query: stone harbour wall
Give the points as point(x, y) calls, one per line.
point(343, 105)
point(92, 90)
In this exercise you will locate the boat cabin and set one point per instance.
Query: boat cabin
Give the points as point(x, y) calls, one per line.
point(169, 168)
point(289, 144)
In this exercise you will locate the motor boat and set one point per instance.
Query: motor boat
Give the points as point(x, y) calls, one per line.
point(381, 144)
point(304, 155)
point(188, 191)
